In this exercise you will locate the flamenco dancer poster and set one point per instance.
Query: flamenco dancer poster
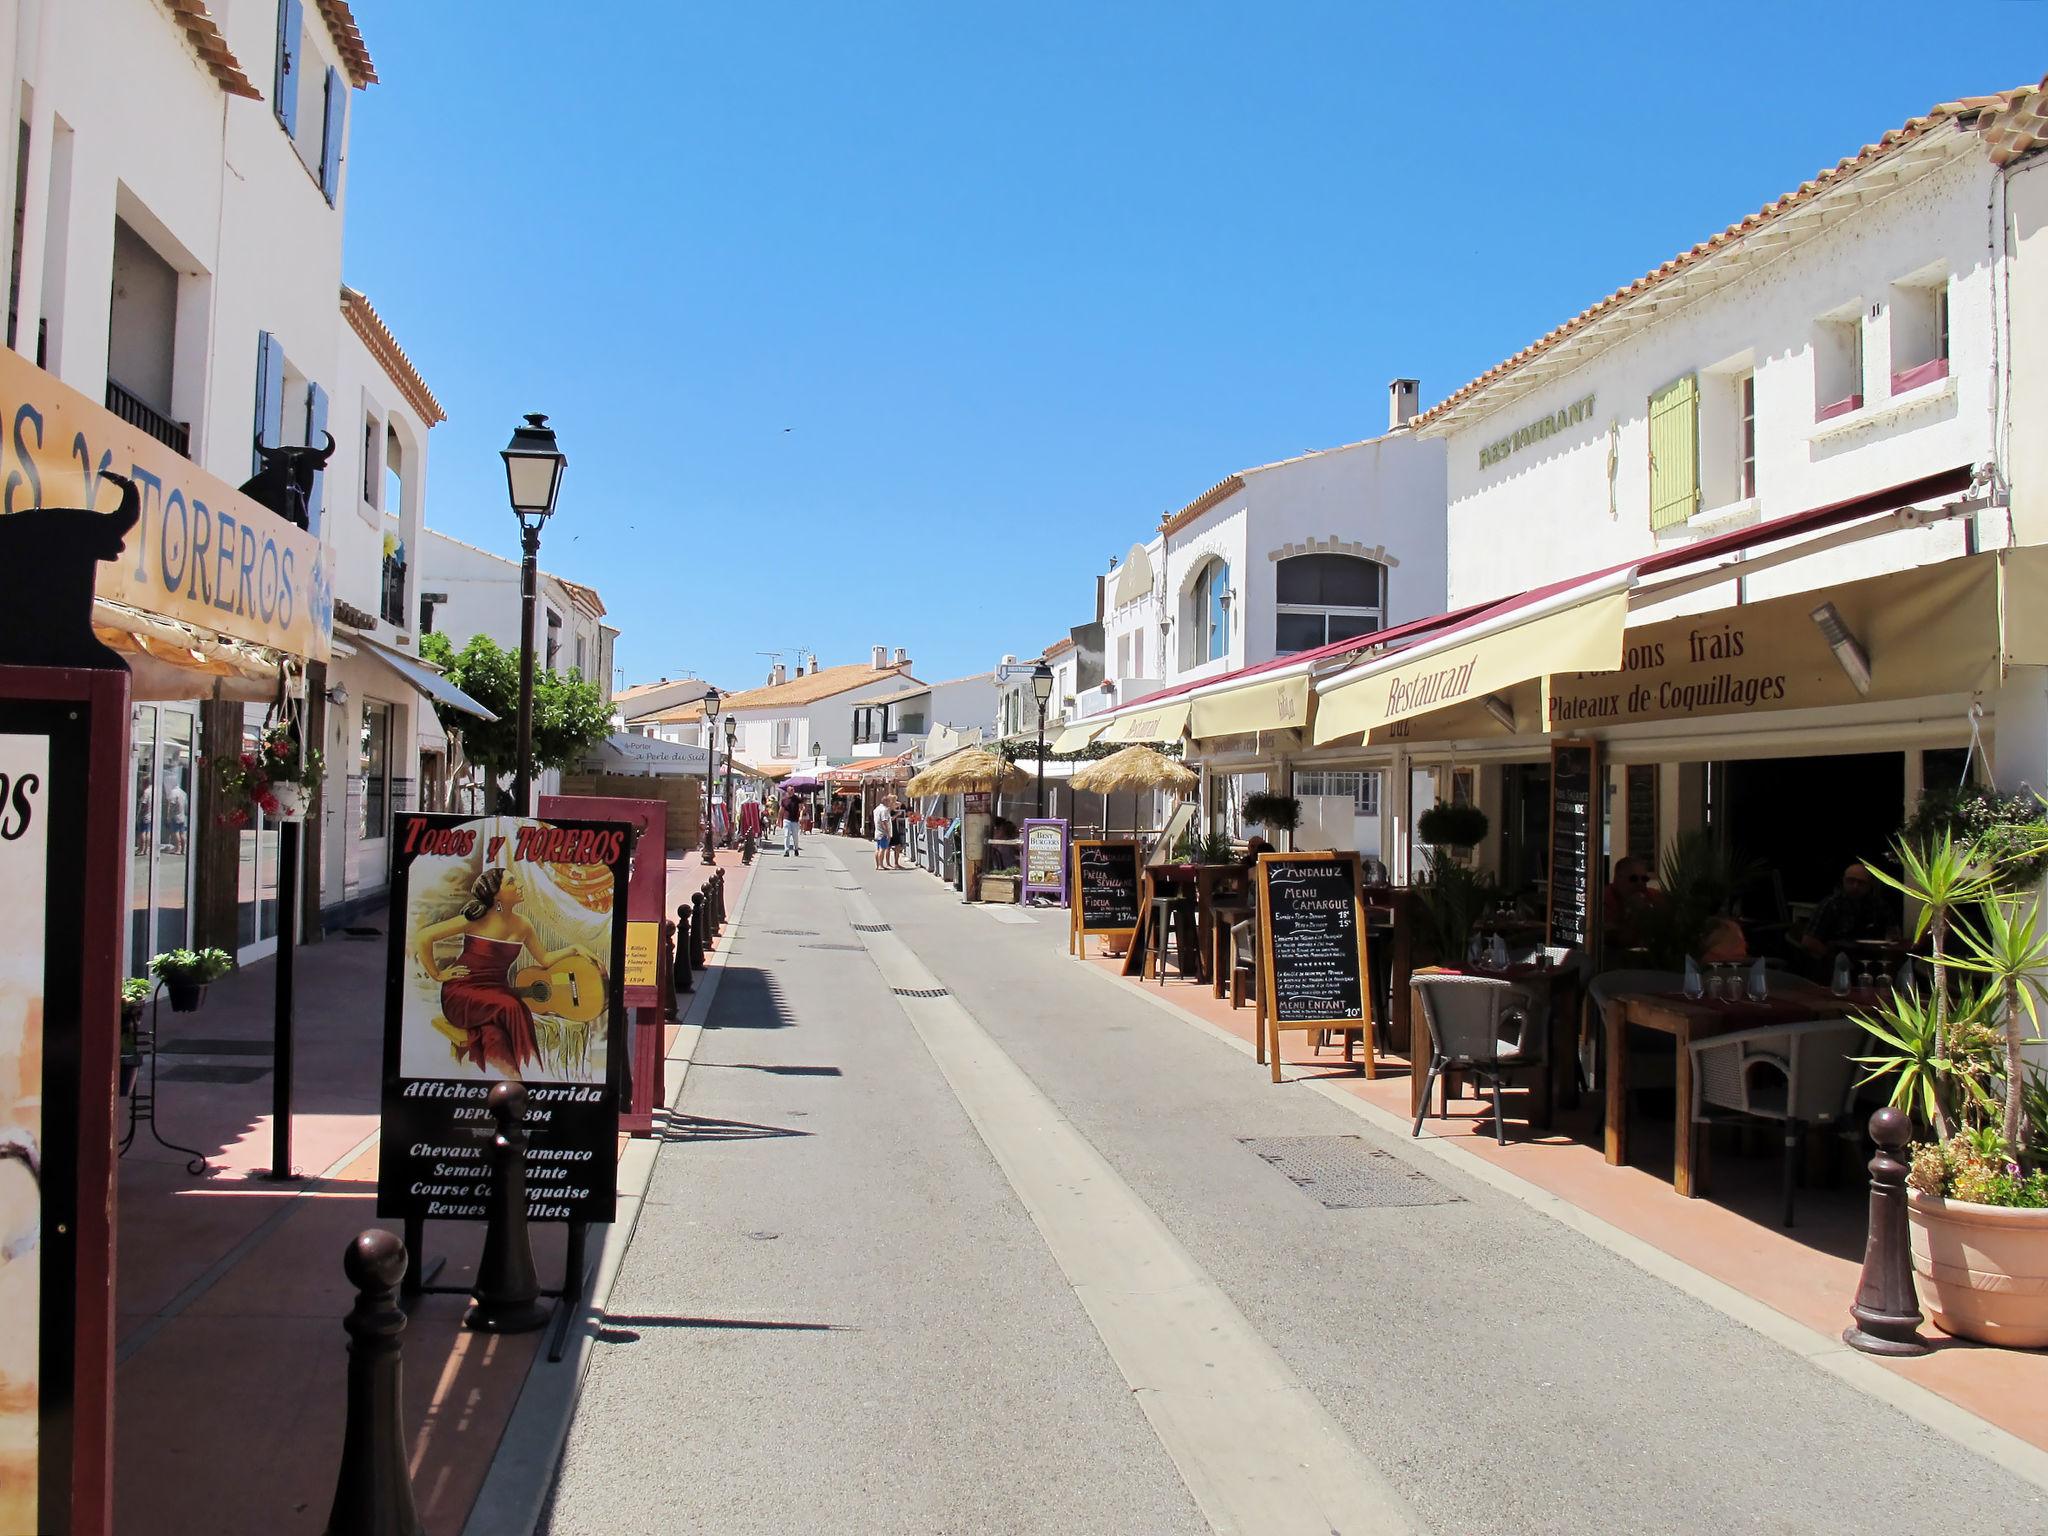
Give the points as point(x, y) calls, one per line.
point(507, 949)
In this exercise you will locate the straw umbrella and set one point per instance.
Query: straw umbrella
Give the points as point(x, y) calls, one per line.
point(1136, 769)
point(974, 771)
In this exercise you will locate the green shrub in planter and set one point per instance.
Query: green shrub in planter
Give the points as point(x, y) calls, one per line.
point(1280, 812)
point(185, 973)
point(1445, 825)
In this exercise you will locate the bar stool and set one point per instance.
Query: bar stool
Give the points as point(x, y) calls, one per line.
point(1172, 914)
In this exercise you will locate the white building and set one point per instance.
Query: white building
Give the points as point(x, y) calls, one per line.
point(466, 591)
point(661, 709)
point(792, 722)
point(888, 724)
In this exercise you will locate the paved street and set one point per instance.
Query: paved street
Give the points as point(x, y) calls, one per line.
point(1000, 1261)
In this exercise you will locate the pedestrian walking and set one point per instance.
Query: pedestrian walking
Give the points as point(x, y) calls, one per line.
point(792, 816)
point(881, 819)
point(899, 836)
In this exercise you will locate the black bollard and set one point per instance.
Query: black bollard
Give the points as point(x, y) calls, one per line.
point(700, 928)
point(506, 1298)
point(718, 902)
point(1887, 1309)
point(373, 1493)
point(670, 1010)
point(683, 966)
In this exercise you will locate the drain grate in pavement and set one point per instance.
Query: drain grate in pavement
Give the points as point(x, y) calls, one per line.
point(920, 991)
point(870, 927)
point(214, 1047)
point(1343, 1174)
point(857, 949)
point(192, 1072)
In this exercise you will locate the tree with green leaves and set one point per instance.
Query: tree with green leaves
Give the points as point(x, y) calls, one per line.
point(570, 716)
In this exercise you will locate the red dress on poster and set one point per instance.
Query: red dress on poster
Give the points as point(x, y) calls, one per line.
point(750, 819)
point(497, 1020)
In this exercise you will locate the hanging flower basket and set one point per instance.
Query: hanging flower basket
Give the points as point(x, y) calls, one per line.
point(292, 800)
point(185, 974)
point(273, 778)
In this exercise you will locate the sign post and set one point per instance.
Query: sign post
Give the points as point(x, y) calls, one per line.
point(1045, 858)
point(1312, 961)
point(1104, 899)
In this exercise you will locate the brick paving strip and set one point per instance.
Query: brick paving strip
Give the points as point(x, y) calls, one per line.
point(230, 1295)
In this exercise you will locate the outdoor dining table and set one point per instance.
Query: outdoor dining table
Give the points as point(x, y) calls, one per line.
point(1793, 1000)
point(1204, 880)
point(1558, 987)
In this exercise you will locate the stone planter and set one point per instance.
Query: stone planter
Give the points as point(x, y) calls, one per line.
point(1983, 1269)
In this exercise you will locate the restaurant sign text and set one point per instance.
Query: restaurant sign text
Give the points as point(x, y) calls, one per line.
point(1537, 430)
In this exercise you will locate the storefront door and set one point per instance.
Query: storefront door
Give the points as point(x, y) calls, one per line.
point(256, 910)
point(160, 818)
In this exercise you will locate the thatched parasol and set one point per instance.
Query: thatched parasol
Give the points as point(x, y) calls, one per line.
point(1136, 769)
point(972, 771)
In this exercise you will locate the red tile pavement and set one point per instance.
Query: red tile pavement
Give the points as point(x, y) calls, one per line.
point(1808, 1274)
point(229, 1294)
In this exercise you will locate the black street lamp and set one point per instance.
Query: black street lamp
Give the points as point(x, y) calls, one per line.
point(533, 476)
point(1041, 690)
point(710, 763)
point(732, 731)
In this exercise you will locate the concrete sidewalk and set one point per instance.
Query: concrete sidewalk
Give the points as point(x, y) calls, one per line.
point(229, 1290)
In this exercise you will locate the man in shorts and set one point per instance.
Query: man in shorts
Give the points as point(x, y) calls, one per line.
point(899, 836)
point(882, 820)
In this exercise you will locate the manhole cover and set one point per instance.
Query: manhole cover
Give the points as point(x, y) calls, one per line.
point(192, 1072)
point(1343, 1174)
point(870, 927)
point(920, 991)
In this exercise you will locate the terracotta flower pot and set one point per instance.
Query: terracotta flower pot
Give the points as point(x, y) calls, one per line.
point(1983, 1269)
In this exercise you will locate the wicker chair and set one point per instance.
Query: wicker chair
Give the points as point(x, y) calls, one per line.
point(1797, 1074)
point(1480, 1025)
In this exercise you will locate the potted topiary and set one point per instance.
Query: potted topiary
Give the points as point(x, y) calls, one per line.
point(1278, 813)
point(186, 973)
point(1460, 828)
point(134, 996)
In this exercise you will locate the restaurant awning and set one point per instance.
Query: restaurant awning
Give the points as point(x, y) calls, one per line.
point(1257, 704)
point(1151, 723)
point(2023, 614)
point(1075, 737)
point(423, 678)
point(624, 752)
point(168, 659)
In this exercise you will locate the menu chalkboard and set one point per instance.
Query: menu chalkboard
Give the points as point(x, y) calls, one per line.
point(1642, 810)
point(1574, 842)
point(1105, 889)
point(1311, 943)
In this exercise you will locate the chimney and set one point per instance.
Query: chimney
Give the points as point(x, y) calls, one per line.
point(901, 658)
point(1401, 402)
point(880, 659)
point(799, 663)
point(814, 663)
point(777, 675)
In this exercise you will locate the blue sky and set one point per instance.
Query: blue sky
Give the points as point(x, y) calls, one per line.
point(890, 324)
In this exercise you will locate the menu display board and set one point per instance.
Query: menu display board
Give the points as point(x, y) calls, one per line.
point(1575, 858)
point(508, 949)
point(1045, 857)
point(1311, 944)
point(1105, 889)
point(1642, 811)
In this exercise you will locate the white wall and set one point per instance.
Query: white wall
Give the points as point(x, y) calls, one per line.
point(483, 599)
point(828, 721)
point(1545, 512)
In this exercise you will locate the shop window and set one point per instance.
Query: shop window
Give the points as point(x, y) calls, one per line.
point(373, 458)
point(1363, 788)
point(785, 738)
point(1675, 452)
point(1205, 615)
point(1838, 363)
point(1745, 436)
point(375, 763)
point(1323, 598)
point(1919, 332)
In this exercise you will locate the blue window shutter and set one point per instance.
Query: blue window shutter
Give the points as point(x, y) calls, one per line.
point(269, 396)
point(285, 94)
point(330, 137)
point(316, 423)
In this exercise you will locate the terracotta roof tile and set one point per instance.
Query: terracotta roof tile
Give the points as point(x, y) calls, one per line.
point(203, 32)
point(1973, 111)
point(368, 324)
point(1059, 648)
point(821, 684)
point(348, 38)
point(1222, 490)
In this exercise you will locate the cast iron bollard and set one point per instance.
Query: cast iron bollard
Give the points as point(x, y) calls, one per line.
point(700, 928)
point(1887, 1311)
point(373, 1493)
point(684, 983)
point(718, 902)
point(670, 986)
point(506, 1298)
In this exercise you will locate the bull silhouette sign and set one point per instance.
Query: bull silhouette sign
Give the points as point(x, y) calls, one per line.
point(285, 482)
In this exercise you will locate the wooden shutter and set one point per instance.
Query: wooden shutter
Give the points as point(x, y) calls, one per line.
point(316, 423)
point(285, 89)
point(1675, 452)
point(330, 135)
point(269, 397)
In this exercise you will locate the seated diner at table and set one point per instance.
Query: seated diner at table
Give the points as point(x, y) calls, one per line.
point(1856, 911)
point(1630, 896)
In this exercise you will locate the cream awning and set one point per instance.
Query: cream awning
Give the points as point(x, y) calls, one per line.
point(1259, 704)
point(1075, 737)
point(170, 660)
point(2023, 606)
point(1576, 631)
point(1156, 722)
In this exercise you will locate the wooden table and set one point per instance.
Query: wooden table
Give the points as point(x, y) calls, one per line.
point(1204, 880)
point(1558, 988)
point(1686, 1021)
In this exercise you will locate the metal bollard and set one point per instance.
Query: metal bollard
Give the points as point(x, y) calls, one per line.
point(1887, 1309)
point(700, 929)
point(682, 965)
point(506, 1298)
point(718, 902)
point(373, 1492)
point(670, 985)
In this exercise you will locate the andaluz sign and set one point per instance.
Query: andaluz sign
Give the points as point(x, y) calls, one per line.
point(508, 943)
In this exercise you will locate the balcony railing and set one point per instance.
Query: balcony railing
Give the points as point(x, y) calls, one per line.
point(392, 604)
point(144, 417)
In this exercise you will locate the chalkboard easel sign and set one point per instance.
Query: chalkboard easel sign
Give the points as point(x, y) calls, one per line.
point(1104, 892)
point(1312, 965)
point(1575, 856)
point(1045, 857)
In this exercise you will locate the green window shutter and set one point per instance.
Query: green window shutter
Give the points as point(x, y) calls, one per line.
point(1675, 452)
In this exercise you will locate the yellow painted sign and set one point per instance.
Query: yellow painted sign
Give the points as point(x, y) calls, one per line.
point(203, 553)
point(643, 954)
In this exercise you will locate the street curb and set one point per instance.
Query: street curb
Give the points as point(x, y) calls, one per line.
point(522, 1472)
point(1923, 1405)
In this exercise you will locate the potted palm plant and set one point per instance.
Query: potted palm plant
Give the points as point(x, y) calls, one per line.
point(1977, 1195)
point(186, 974)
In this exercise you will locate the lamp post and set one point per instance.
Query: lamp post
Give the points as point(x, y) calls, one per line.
point(1041, 690)
point(710, 762)
point(533, 477)
point(732, 731)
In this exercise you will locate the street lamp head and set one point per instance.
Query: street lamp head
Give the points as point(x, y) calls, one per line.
point(732, 730)
point(817, 752)
point(1041, 684)
point(711, 705)
point(534, 462)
